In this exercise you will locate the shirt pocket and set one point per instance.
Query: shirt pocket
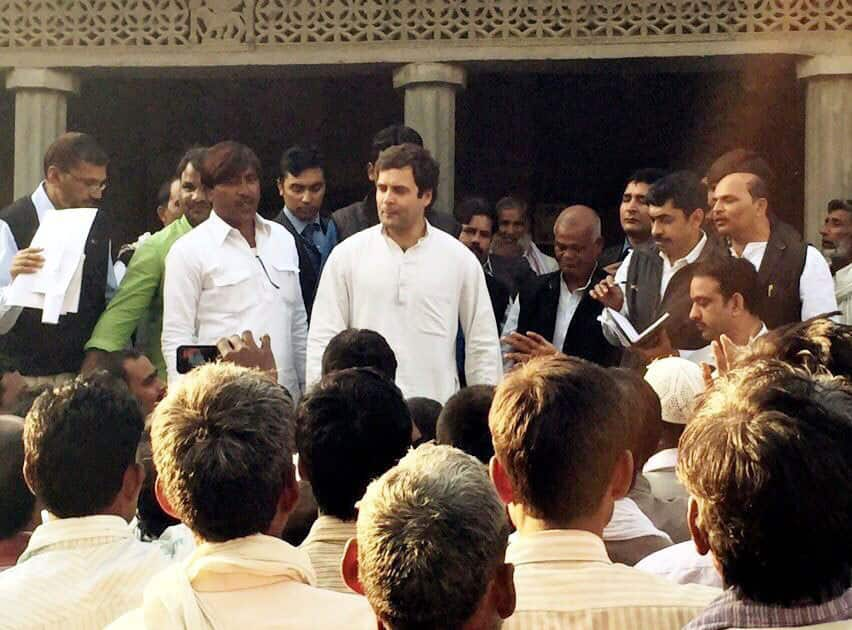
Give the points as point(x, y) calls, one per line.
point(286, 277)
point(435, 315)
point(229, 290)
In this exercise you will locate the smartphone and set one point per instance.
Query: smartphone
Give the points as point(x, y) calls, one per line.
point(189, 357)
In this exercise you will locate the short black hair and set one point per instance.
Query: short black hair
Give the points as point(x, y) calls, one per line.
point(683, 188)
point(297, 159)
point(350, 428)
point(734, 275)
point(16, 501)
point(646, 175)
point(743, 161)
point(424, 414)
point(470, 207)
point(195, 156)
point(226, 160)
point(463, 422)
point(392, 136)
point(71, 148)
point(840, 204)
point(79, 440)
point(644, 414)
point(359, 347)
point(511, 201)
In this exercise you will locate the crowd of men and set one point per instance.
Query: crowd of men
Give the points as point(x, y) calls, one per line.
point(420, 420)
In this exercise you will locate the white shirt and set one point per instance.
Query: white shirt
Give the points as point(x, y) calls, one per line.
point(77, 573)
point(540, 262)
point(568, 302)
point(816, 286)
point(681, 563)
point(216, 286)
point(564, 579)
point(415, 299)
point(8, 249)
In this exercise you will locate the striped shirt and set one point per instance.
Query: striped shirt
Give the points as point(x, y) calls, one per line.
point(325, 544)
point(564, 579)
point(76, 574)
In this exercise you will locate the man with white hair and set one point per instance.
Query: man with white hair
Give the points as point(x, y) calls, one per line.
point(432, 536)
point(557, 307)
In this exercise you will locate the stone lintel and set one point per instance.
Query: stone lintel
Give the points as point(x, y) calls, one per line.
point(824, 65)
point(42, 79)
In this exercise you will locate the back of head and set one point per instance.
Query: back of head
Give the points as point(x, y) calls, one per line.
point(71, 148)
point(463, 422)
point(556, 418)
point(431, 533)
point(678, 383)
point(297, 159)
point(741, 161)
point(350, 428)
point(79, 440)
point(225, 161)
point(16, 501)
point(734, 275)
point(817, 344)
point(392, 136)
point(470, 207)
point(683, 188)
point(424, 415)
point(644, 414)
point(768, 458)
point(359, 347)
point(223, 447)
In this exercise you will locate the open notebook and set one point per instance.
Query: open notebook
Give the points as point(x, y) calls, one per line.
point(627, 334)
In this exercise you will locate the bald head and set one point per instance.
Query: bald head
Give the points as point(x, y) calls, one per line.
point(579, 218)
point(577, 243)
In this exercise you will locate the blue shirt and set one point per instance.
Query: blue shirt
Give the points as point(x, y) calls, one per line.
point(323, 240)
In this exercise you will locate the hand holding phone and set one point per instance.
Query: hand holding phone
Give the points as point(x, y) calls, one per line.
point(190, 357)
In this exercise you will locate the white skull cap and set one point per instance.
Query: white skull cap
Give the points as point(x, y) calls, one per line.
point(677, 382)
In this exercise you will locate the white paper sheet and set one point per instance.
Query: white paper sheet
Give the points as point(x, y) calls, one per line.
point(55, 288)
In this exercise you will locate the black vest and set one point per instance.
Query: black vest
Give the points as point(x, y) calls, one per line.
point(584, 339)
point(40, 349)
point(779, 275)
point(309, 275)
point(643, 295)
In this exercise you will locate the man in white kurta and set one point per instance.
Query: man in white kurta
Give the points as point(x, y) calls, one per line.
point(411, 283)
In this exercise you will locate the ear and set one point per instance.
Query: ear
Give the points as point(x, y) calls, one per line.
point(699, 537)
point(427, 197)
point(697, 217)
point(28, 478)
point(371, 172)
point(501, 481)
point(52, 174)
point(349, 566)
point(279, 184)
point(761, 204)
point(131, 483)
point(622, 475)
point(737, 303)
point(161, 211)
point(505, 598)
point(163, 500)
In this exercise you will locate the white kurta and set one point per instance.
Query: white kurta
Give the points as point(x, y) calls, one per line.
point(415, 299)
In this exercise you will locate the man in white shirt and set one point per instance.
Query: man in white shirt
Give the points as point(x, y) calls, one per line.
point(235, 272)
point(513, 232)
point(222, 445)
point(794, 279)
point(82, 567)
point(412, 284)
point(431, 545)
point(653, 281)
point(556, 418)
point(837, 246)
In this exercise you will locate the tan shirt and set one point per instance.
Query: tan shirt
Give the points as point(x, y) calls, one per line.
point(564, 579)
point(325, 544)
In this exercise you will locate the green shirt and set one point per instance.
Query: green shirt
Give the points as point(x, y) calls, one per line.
point(139, 300)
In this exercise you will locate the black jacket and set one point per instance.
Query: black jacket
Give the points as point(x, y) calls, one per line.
point(309, 274)
point(539, 302)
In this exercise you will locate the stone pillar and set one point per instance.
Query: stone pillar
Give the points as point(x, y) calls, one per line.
point(430, 108)
point(40, 117)
point(828, 136)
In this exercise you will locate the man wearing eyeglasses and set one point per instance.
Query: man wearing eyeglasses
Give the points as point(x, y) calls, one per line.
point(235, 272)
point(75, 176)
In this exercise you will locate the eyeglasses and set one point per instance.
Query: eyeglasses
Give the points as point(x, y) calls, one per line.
point(88, 183)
